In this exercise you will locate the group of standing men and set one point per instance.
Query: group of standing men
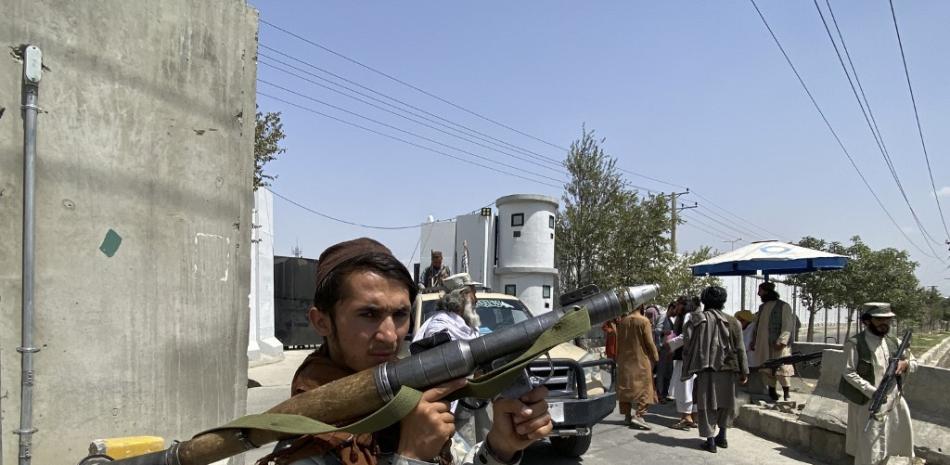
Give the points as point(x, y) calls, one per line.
point(704, 354)
point(711, 361)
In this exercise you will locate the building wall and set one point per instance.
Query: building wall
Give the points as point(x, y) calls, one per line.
point(526, 251)
point(529, 288)
point(262, 346)
point(535, 246)
point(147, 130)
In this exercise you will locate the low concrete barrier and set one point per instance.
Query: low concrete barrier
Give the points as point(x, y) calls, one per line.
point(938, 355)
point(926, 394)
point(787, 430)
point(811, 371)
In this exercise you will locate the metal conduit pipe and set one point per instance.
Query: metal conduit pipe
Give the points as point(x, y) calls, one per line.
point(32, 72)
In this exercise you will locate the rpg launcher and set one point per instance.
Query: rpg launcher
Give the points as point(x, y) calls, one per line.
point(889, 381)
point(361, 394)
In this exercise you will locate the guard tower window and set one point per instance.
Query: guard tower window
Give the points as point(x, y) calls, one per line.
point(517, 219)
point(546, 292)
point(511, 289)
point(551, 221)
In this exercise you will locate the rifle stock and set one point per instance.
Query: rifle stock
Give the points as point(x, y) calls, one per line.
point(355, 396)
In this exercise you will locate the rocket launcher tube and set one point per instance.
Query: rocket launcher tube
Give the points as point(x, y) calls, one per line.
point(460, 358)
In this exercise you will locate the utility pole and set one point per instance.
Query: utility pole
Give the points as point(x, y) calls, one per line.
point(733, 242)
point(674, 210)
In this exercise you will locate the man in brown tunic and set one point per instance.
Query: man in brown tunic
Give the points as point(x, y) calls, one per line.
point(636, 354)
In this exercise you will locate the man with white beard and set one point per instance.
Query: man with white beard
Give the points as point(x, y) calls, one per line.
point(457, 317)
point(456, 310)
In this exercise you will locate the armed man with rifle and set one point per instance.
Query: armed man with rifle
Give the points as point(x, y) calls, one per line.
point(879, 424)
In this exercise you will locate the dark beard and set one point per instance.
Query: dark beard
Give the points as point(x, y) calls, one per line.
point(877, 333)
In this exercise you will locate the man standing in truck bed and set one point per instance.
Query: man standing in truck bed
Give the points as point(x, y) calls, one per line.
point(433, 275)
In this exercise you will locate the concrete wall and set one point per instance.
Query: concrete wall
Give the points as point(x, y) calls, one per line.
point(534, 247)
point(529, 289)
point(938, 355)
point(147, 130)
point(262, 346)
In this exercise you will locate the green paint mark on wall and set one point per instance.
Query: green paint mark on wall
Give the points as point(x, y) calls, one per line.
point(111, 243)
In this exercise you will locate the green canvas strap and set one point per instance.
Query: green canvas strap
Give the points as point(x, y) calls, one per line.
point(574, 324)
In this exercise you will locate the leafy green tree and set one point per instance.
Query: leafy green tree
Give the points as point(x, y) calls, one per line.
point(609, 234)
point(593, 201)
point(680, 280)
point(820, 290)
point(885, 275)
point(268, 133)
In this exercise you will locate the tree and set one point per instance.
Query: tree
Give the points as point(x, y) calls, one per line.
point(885, 275)
point(610, 235)
point(268, 132)
point(593, 200)
point(819, 290)
point(680, 280)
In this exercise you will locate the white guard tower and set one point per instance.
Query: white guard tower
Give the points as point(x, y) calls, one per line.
point(525, 249)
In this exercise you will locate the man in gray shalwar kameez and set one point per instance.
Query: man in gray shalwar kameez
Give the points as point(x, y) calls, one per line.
point(715, 353)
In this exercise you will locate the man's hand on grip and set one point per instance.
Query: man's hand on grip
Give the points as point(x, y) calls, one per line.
point(519, 422)
point(426, 429)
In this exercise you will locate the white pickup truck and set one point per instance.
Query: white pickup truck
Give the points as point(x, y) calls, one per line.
point(575, 378)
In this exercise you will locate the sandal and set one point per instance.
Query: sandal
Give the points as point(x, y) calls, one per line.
point(681, 425)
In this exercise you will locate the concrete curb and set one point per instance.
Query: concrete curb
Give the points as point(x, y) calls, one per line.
point(936, 354)
point(788, 430)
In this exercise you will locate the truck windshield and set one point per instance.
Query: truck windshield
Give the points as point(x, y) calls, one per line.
point(494, 313)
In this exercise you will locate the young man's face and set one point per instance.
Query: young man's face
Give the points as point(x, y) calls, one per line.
point(437, 261)
point(370, 321)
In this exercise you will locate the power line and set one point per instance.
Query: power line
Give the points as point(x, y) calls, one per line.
point(378, 107)
point(835, 134)
point(920, 131)
point(708, 232)
point(454, 126)
point(533, 154)
point(422, 91)
point(721, 208)
point(736, 230)
point(870, 120)
point(390, 136)
point(706, 228)
point(340, 220)
point(416, 88)
point(338, 108)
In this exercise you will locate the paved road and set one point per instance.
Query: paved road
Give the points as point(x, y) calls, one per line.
point(616, 444)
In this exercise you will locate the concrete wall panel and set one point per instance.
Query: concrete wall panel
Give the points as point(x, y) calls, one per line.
point(147, 130)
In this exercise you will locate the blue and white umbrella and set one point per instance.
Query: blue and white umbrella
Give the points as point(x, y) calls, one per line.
point(769, 257)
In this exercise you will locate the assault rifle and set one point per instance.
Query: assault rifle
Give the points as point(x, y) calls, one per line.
point(889, 380)
point(358, 395)
point(813, 359)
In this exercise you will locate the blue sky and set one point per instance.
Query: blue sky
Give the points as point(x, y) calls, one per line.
point(693, 93)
